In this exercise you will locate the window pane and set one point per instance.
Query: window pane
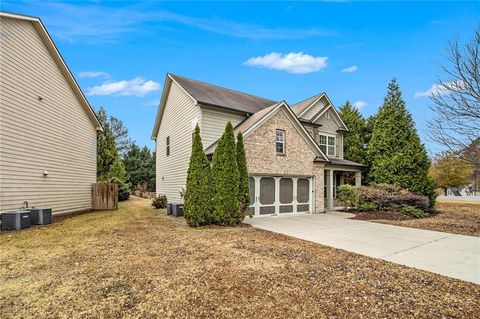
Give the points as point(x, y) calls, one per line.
point(323, 148)
point(331, 140)
point(280, 136)
point(279, 147)
point(323, 139)
point(331, 150)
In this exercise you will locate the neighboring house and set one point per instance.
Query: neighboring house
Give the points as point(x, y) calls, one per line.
point(294, 154)
point(47, 128)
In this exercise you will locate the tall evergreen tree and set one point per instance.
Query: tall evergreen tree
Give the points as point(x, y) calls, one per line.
point(225, 172)
point(243, 190)
point(107, 152)
point(199, 193)
point(395, 152)
point(354, 143)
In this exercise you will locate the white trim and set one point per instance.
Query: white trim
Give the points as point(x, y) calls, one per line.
point(163, 101)
point(327, 145)
point(330, 106)
point(311, 104)
point(300, 128)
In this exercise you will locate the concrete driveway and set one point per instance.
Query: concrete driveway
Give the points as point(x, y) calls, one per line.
point(455, 256)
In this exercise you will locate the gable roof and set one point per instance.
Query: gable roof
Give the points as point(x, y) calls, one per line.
point(47, 40)
point(256, 120)
point(302, 105)
point(209, 94)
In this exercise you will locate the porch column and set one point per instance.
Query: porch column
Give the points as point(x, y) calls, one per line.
point(358, 178)
point(330, 189)
point(342, 179)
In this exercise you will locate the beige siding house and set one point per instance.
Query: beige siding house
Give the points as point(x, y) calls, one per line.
point(47, 128)
point(294, 154)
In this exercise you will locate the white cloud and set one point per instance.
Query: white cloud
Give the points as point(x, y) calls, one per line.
point(137, 86)
point(93, 74)
point(293, 62)
point(97, 24)
point(440, 89)
point(350, 69)
point(359, 105)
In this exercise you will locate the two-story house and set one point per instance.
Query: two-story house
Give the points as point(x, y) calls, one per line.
point(294, 153)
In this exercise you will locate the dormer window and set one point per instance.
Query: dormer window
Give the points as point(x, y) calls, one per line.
point(327, 144)
point(280, 142)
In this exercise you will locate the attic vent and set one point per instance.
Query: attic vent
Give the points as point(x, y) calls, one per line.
point(327, 115)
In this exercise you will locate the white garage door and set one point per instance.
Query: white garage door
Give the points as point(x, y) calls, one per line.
point(280, 195)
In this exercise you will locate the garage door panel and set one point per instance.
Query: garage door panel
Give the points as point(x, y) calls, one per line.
point(267, 190)
point(286, 209)
point(286, 190)
point(303, 190)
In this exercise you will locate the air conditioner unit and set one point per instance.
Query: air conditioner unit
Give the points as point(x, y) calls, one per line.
point(16, 220)
point(177, 209)
point(41, 216)
point(169, 208)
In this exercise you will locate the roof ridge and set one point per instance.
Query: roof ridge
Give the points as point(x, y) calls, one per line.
point(222, 87)
point(308, 98)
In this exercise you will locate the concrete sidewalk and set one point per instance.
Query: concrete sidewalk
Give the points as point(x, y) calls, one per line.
point(456, 256)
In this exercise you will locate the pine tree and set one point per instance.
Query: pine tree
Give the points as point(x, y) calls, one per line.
point(394, 151)
point(243, 190)
point(354, 143)
point(199, 193)
point(107, 152)
point(225, 172)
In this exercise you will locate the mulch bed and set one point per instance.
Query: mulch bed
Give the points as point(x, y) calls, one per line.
point(137, 263)
point(384, 215)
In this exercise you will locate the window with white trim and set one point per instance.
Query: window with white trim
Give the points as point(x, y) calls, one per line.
point(280, 141)
point(327, 144)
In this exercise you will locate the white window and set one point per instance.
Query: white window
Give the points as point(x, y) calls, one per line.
point(280, 142)
point(327, 144)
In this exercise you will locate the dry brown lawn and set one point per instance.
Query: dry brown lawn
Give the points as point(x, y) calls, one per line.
point(452, 217)
point(140, 263)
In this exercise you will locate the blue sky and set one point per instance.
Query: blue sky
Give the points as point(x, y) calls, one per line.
point(120, 52)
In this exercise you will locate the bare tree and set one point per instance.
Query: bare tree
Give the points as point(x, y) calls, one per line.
point(456, 101)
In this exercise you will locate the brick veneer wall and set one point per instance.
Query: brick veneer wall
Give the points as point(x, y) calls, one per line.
point(297, 161)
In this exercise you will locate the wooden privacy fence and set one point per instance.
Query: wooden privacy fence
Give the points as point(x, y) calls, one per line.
point(104, 196)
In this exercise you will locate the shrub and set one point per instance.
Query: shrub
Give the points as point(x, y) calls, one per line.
point(123, 189)
point(411, 211)
point(243, 189)
point(385, 195)
point(199, 193)
point(347, 195)
point(160, 201)
point(368, 207)
point(226, 176)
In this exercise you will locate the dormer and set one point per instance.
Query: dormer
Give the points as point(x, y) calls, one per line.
point(323, 122)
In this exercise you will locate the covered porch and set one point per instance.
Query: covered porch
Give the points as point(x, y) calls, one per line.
point(337, 173)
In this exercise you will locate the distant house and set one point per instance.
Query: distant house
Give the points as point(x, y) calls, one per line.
point(294, 154)
point(47, 128)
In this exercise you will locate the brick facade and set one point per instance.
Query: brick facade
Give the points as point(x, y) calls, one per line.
point(297, 161)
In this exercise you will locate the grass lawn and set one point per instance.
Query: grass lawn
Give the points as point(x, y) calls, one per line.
point(455, 217)
point(139, 263)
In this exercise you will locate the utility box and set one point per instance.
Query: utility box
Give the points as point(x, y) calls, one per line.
point(16, 220)
point(177, 209)
point(40, 216)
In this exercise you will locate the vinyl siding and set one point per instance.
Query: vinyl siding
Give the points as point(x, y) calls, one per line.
point(314, 109)
point(54, 134)
point(213, 124)
point(176, 122)
point(330, 126)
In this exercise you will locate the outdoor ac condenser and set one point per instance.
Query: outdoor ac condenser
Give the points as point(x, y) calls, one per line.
point(177, 209)
point(41, 216)
point(16, 220)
